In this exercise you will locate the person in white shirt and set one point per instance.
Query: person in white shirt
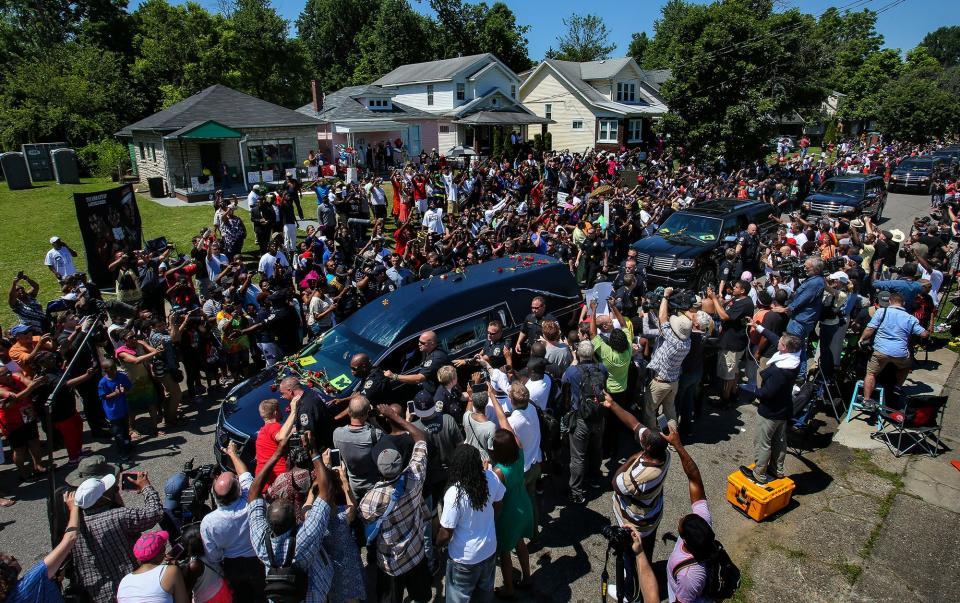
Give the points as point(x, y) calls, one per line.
point(60, 259)
point(433, 219)
point(538, 382)
point(252, 196)
point(269, 260)
point(468, 527)
point(377, 198)
point(450, 185)
point(216, 262)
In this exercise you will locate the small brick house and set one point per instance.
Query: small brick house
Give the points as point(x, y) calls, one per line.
point(219, 138)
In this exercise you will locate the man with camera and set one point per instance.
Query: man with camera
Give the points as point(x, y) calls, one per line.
point(890, 330)
point(907, 285)
point(733, 338)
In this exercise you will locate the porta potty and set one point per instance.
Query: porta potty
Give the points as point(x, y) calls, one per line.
point(65, 166)
point(15, 170)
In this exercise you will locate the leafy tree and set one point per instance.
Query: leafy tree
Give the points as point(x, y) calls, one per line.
point(105, 158)
point(468, 29)
point(943, 44)
point(914, 106)
point(179, 51)
point(394, 37)
point(74, 92)
point(585, 40)
point(327, 30)
point(736, 66)
point(851, 38)
point(639, 43)
point(867, 87)
point(264, 62)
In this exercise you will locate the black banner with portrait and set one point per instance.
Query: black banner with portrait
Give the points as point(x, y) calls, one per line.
point(110, 224)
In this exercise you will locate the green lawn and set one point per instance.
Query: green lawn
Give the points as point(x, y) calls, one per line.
point(29, 218)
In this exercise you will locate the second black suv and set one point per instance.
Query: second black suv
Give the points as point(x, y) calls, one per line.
point(688, 247)
point(848, 195)
point(918, 173)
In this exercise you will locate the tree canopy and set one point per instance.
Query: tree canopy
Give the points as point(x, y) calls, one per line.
point(585, 39)
point(943, 44)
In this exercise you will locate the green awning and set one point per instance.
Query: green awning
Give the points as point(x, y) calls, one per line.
point(205, 130)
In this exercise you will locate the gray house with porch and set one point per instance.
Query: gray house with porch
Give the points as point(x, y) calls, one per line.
point(219, 138)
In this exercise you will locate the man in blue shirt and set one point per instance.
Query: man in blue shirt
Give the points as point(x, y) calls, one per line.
point(907, 285)
point(113, 388)
point(891, 329)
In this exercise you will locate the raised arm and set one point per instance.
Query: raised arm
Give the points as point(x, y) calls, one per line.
point(59, 554)
point(260, 481)
point(625, 417)
point(690, 468)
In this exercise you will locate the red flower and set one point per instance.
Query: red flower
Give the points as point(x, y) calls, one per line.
point(309, 383)
point(274, 387)
point(499, 269)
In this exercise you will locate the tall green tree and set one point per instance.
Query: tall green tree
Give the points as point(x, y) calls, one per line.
point(866, 87)
point(849, 39)
point(915, 106)
point(467, 29)
point(394, 37)
point(639, 43)
point(74, 92)
point(585, 39)
point(263, 60)
point(736, 65)
point(328, 30)
point(179, 51)
point(943, 44)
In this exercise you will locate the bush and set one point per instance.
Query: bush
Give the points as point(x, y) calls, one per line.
point(496, 144)
point(538, 143)
point(105, 159)
point(830, 132)
point(548, 141)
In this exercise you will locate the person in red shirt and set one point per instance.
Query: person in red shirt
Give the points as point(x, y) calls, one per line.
point(18, 423)
point(270, 435)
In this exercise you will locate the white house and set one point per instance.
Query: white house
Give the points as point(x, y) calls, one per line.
point(471, 96)
point(603, 104)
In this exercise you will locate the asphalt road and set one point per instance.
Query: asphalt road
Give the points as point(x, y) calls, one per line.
point(568, 560)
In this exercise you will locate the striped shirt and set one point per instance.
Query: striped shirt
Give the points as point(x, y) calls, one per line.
point(638, 497)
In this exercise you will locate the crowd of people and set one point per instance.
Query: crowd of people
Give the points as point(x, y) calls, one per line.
point(452, 479)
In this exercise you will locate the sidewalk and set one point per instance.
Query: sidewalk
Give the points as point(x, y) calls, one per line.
point(873, 527)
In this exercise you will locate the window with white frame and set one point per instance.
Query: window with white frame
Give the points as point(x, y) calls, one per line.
point(378, 103)
point(607, 131)
point(513, 91)
point(634, 130)
point(444, 129)
point(626, 92)
point(577, 124)
point(461, 92)
point(429, 94)
point(548, 110)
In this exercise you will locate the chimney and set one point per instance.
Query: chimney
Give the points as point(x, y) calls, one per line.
point(317, 96)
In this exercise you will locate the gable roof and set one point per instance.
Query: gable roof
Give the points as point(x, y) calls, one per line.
point(571, 74)
point(655, 77)
point(344, 105)
point(227, 106)
point(476, 104)
point(603, 69)
point(435, 71)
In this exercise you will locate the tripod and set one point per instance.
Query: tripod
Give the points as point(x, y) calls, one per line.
point(829, 390)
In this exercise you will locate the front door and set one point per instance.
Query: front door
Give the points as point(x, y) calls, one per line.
point(210, 159)
point(412, 140)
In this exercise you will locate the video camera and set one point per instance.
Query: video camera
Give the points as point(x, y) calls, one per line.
point(192, 504)
point(680, 301)
point(834, 264)
point(791, 267)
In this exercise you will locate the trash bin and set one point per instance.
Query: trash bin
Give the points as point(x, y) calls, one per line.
point(156, 187)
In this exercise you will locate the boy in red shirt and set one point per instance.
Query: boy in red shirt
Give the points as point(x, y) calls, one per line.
point(271, 434)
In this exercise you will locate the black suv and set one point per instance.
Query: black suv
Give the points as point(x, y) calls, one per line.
point(848, 195)
point(950, 155)
point(918, 173)
point(688, 247)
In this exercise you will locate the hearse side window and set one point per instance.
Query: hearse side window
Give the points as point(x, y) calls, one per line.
point(467, 333)
point(403, 359)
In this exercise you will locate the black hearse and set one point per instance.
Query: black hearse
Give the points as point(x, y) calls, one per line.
point(457, 307)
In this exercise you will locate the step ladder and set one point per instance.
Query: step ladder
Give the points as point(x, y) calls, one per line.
point(857, 406)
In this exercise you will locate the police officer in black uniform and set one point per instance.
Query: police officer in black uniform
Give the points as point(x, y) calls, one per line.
point(432, 359)
point(748, 249)
point(374, 385)
point(496, 349)
point(531, 329)
point(591, 254)
point(312, 414)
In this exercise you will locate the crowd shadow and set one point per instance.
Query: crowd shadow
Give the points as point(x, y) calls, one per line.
point(811, 481)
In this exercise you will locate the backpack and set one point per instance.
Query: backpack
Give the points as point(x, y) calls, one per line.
point(723, 576)
point(285, 583)
point(592, 384)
